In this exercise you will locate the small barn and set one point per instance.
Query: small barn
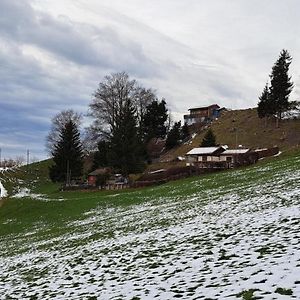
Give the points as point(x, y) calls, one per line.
point(233, 156)
point(239, 157)
point(92, 177)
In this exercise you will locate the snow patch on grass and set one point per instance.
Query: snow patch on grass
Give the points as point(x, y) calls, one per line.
point(26, 193)
point(218, 243)
point(3, 191)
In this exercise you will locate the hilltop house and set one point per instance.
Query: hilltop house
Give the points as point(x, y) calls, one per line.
point(202, 115)
point(220, 157)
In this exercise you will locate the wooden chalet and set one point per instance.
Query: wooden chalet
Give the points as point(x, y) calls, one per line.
point(206, 157)
point(202, 115)
point(220, 157)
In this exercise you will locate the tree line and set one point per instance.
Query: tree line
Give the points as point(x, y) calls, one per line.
point(126, 116)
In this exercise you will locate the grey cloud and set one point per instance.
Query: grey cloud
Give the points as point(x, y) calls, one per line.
point(80, 43)
point(213, 52)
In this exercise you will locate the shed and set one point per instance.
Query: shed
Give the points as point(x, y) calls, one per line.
point(92, 177)
point(239, 157)
point(231, 155)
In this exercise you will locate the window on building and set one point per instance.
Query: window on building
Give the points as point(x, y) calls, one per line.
point(229, 159)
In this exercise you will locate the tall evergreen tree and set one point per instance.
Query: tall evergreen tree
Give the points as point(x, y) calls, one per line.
point(281, 84)
point(154, 121)
point(185, 133)
point(67, 155)
point(209, 139)
point(145, 119)
point(100, 156)
point(264, 107)
point(125, 152)
point(58, 122)
point(174, 136)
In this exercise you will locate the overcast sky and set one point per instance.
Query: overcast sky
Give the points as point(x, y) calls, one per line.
point(54, 53)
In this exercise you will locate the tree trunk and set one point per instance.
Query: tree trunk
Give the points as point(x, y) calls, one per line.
point(277, 122)
point(278, 119)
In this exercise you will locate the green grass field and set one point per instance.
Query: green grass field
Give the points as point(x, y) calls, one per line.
point(228, 235)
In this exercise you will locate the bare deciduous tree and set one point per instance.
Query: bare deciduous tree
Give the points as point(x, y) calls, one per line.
point(110, 99)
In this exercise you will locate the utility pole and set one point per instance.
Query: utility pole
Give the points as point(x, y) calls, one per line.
point(0, 157)
point(68, 173)
point(28, 157)
point(235, 130)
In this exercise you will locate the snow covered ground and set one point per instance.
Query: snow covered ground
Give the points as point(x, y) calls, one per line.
point(26, 192)
point(210, 244)
point(3, 191)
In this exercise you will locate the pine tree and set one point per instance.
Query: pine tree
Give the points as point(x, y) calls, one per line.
point(100, 156)
point(67, 155)
point(281, 84)
point(209, 139)
point(154, 120)
point(264, 107)
point(185, 133)
point(174, 136)
point(125, 153)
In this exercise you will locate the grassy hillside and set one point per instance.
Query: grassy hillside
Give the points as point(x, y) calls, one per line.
point(34, 177)
point(228, 235)
point(251, 132)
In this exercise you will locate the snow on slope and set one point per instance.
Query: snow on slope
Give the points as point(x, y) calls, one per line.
point(3, 191)
point(210, 245)
point(26, 192)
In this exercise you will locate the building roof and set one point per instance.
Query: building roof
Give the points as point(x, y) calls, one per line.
point(205, 107)
point(204, 150)
point(235, 151)
point(99, 171)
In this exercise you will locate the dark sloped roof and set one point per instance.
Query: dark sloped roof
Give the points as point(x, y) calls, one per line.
point(205, 107)
point(99, 171)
